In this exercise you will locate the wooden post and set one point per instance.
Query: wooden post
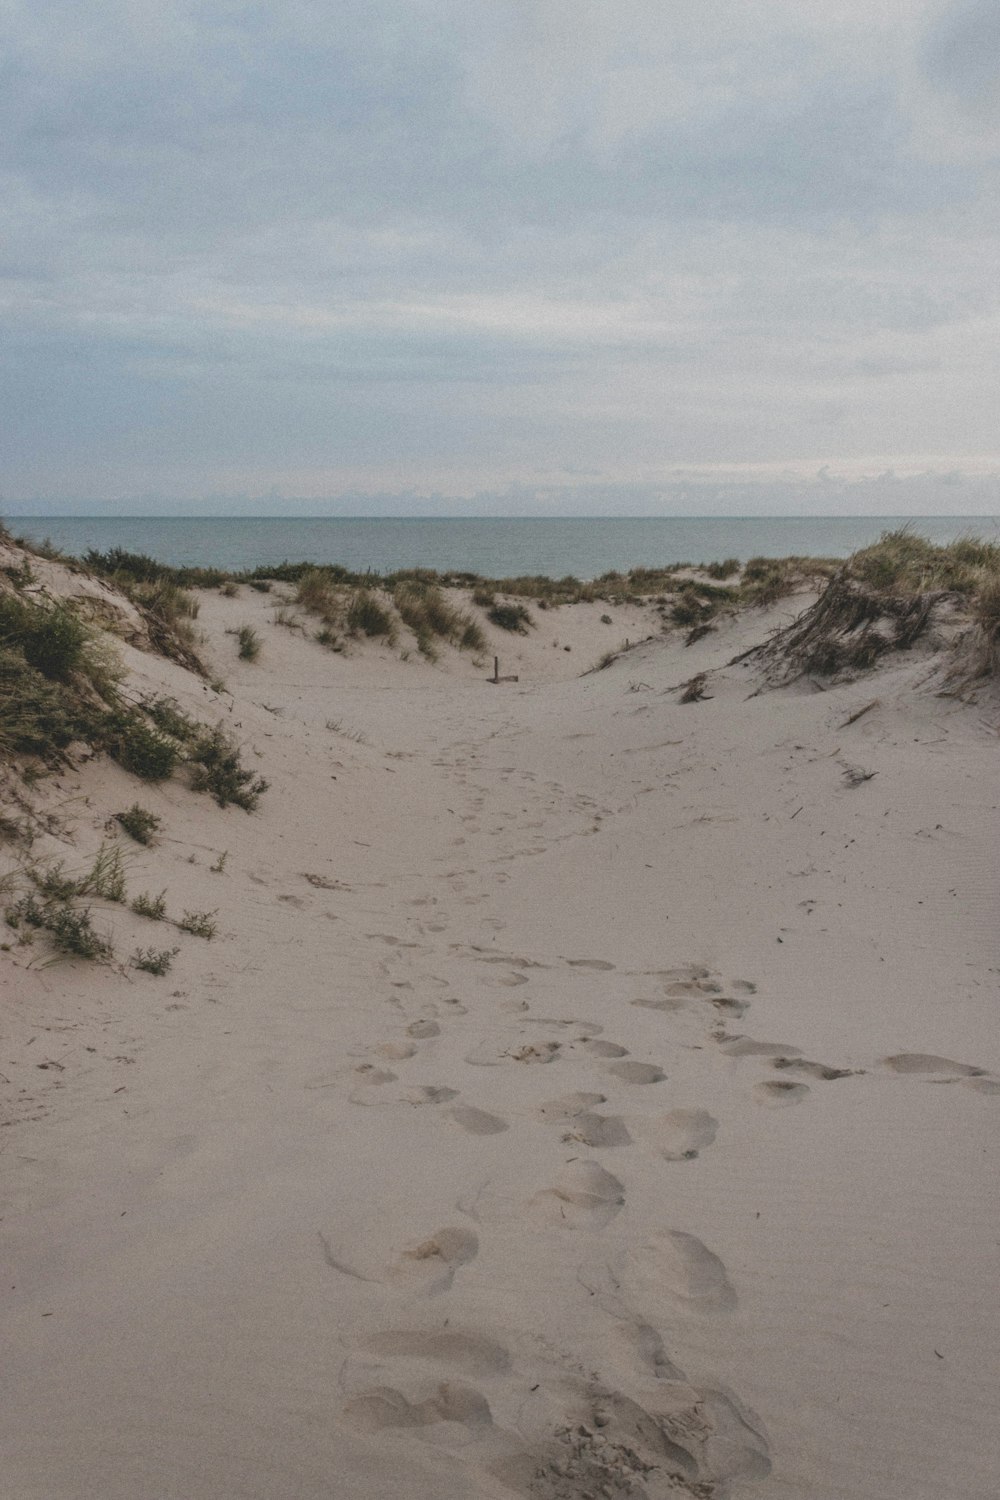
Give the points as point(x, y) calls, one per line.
point(496, 669)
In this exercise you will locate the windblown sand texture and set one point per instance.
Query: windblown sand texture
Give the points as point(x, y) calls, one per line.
point(586, 1094)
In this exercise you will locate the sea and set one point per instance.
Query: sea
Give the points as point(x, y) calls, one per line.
point(496, 547)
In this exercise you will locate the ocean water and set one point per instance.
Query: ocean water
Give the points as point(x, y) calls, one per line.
point(495, 546)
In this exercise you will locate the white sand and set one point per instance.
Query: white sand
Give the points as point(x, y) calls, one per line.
point(487, 1149)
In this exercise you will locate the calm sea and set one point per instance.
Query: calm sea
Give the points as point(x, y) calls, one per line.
point(496, 547)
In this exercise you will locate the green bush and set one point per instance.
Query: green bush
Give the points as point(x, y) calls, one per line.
point(249, 643)
point(365, 615)
point(154, 960)
point(510, 617)
point(153, 907)
point(52, 640)
point(140, 749)
point(216, 769)
point(138, 823)
point(200, 923)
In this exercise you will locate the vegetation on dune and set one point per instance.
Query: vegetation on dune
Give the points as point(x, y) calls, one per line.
point(139, 823)
point(248, 643)
point(885, 598)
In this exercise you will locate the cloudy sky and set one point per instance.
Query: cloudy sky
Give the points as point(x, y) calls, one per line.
point(527, 255)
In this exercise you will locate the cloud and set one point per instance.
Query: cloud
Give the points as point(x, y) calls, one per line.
point(414, 237)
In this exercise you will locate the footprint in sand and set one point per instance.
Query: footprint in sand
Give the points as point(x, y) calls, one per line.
point(597, 1130)
point(416, 1094)
point(597, 964)
point(776, 1093)
point(679, 1265)
point(927, 1062)
point(469, 1353)
point(568, 1106)
point(606, 1049)
point(427, 1269)
point(812, 1069)
point(423, 1029)
point(395, 1051)
point(583, 1196)
point(643, 1346)
point(680, 1134)
point(637, 1072)
point(387, 1407)
point(745, 1046)
point(493, 1054)
point(368, 1073)
point(477, 1121)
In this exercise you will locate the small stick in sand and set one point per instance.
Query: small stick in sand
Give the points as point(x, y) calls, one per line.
point(860, 713)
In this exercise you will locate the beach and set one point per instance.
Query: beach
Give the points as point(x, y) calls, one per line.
point(590, 1087)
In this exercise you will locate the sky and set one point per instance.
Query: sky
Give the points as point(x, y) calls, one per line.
point(518, 256)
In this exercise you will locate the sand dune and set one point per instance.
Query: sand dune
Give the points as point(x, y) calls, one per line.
point(585, 1093)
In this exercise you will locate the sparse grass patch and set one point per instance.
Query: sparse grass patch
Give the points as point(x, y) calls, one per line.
point(52, 640)
point(153, 960)
point(216, 768)
point(153, 907)
point(141, 750)
point(724, 569)
point(366, 616)
point(69, 928)
point(512, 617)
point(139, 823)
point(248, 643)
point(200, 923)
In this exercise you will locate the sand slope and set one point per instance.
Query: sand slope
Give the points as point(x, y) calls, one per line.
point(586, 1094)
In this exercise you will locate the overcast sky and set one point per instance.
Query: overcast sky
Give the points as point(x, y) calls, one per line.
point(487, 255)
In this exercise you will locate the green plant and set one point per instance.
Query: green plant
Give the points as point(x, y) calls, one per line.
point(70, 929)
point(510, 617)
point(168, 716)
point(229, 589)
point(139, 823)
point(52, 640)
point(249, 643)
point(365, 615)
point(200, 923)
point(153, 960)
point(220, 864)
point(72, 932)
point(724, 569)
point(106, 877)
point(216, 768)
point(153, 907)
point(139, 749)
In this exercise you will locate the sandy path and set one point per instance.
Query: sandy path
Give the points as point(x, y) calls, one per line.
point(613, 1112)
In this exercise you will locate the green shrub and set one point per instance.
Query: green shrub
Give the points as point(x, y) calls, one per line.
point(139, 823)
point(38, 716)
point(365, 615)
point(216, 768)
point(153, 960)
point(153, 907)
point(168, 716)
point(52, 640)
point(724, 569)
point(249, 643)
point(141, 750)
point(510, 617)
point(70, 928)
point(200, 923)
